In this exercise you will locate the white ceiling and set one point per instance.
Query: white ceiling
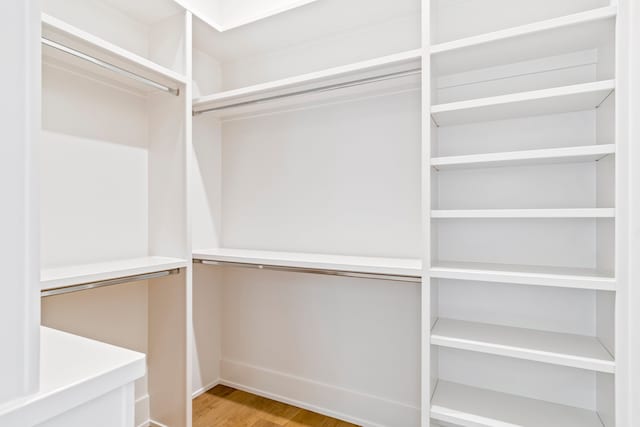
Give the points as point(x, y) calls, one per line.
point(147, 11)
point(307, 21)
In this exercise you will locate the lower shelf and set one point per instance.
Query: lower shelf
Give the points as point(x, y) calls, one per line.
point(54, 278)
point(474, 407)
point(571, 350)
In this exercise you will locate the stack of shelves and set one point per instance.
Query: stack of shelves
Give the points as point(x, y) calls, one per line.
point(522, 156)
point(116, 105)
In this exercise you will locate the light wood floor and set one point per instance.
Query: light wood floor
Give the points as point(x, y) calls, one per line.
point(227, 407)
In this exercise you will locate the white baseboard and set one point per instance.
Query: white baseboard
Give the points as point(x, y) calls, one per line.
point(205, 389)
point(142, 411)
point(348, 405)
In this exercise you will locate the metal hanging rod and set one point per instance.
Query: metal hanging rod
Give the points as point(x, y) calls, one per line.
point(391, 277)
point(110, 67)
point(109, 282)
point(327, 88)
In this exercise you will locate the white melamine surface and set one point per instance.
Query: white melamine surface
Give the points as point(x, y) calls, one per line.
point(524, 275)
point(524, 213)
point(525, 157)
point(564, 34)
point(73, 371)
point(473, 407)
point(577, 351)
point(89, 44)
point(585, 96)
point(375, 67)
point(373, 265)
point(87, 273)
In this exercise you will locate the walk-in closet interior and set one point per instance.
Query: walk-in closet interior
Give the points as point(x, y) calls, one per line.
point(395, 213)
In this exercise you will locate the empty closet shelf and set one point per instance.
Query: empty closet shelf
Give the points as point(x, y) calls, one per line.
point(564, 99)
point(73, 275)
point(125, 67)
point(527, 157)
point(579, 278)
point(570, 33)
point(572, 350)
point(403, 269)
point(523, 213)
point(384, 69)
point(474, 407)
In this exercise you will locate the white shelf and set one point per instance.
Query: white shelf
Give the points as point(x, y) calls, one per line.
point(407, 267)
point(572, 350)
point(528, 157)
point(523, 213)
point(579, 278)
point(75, 38)
point(73, 370)
point(571, 33)
point(373, 68)
point(88, 273)
point(474, 407)
point(578, 97)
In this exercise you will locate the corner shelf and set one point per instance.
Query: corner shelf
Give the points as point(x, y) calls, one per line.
point(474, 407)
point(577, 278)
point(578, 97)
point(401, 267)
point(75, 38)
point(398, 63)
point(523, 213)
point(527, 157)
point(571, 350)
point(72, 275)
point(568, 33)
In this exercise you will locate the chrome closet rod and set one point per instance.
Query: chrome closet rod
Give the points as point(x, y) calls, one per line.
point(327, 88)
point(110, 67)
point(108, 282)
point(391, 277)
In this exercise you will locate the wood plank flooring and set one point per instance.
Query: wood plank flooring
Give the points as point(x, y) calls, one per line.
point(227, 407)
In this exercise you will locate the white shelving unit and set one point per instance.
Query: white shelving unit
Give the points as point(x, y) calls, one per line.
point(523, 215)
point(476, 151)
point(116, 120)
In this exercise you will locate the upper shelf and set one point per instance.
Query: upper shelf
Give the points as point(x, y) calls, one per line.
point(526, 157)
point(562, 99)
point(579, 278)
point(474, 407)
point(54, 278)
point(69, 36)
point(569, 33)
point(385, 69)
point(402, 267)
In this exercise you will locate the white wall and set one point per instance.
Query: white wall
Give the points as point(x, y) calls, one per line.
point(19, 247)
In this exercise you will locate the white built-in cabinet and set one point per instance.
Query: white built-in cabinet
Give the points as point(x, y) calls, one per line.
point(398, 213)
